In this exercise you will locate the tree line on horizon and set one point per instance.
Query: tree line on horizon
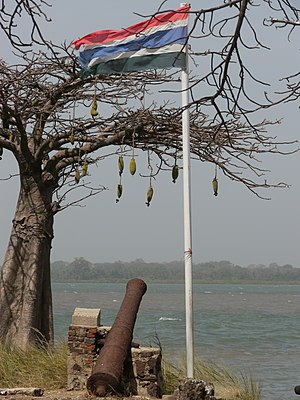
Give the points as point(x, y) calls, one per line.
point(213, 271)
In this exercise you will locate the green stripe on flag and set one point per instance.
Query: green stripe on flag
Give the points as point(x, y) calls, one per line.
point(135, 64)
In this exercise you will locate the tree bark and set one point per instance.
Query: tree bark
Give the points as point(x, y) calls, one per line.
point(25, 287)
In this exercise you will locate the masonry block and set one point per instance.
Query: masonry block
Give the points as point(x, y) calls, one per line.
point(86, 317)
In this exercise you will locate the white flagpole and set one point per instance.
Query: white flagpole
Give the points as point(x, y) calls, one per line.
point(187, 218)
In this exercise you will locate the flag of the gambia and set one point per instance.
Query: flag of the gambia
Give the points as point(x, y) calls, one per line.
point(153, 44)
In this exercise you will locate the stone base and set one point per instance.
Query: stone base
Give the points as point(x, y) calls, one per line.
point(147, 375)
point(192, 389)
point(142, 370)
point(84, 346)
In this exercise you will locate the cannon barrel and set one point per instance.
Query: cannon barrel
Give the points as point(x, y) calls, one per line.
point(107, 372)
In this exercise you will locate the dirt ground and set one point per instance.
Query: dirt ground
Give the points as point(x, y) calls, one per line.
point(63, 395)
point(50, 395)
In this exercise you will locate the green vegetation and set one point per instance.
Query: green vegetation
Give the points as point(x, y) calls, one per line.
point(48, 369)
point(228, 385)
point(36, 368)
point(218, 271)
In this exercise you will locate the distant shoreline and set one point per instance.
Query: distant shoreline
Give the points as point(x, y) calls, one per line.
point(196, 282)
point(213, 272)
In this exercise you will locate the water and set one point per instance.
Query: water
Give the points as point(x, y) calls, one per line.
point(247, 327)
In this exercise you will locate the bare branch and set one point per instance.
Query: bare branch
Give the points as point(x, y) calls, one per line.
point(46, 123)
point(10, 14)
point(284, 22)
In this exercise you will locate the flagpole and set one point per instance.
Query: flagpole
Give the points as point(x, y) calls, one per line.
point(187, 217)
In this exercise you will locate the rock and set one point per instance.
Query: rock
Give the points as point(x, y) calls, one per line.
point(192, 389)
point(24, 391)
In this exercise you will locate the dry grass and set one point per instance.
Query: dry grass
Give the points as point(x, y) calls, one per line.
point(36, 367)
point(48, 369)
point(228, 385)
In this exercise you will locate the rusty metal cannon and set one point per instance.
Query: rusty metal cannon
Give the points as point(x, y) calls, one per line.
point(107, 373)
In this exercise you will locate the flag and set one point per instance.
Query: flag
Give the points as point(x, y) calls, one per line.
point(152, 44)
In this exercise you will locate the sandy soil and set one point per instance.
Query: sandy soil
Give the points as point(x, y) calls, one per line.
point(50, 395)
point(63, 395)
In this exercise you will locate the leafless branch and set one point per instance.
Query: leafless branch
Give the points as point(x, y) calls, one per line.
point(29, 10)
point(44, 103)
point(284, 22)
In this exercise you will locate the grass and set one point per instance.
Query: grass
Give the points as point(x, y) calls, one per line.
point(36, 367)
point(48, 369)
point(228, 385)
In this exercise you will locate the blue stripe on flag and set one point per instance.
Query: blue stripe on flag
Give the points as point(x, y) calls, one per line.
point(153, 41)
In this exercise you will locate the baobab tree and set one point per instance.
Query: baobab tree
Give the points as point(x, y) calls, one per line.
point(51, 126)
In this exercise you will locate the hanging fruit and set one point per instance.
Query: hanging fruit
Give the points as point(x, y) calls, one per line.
point(215, 186)
point(11, 137)
point(175, 173)
point(93, 110)
point(121, 165)
point(149, 195)
point(72, 137)
point(119, 191)
point(132, 166)
point(51, 143)
point(84, 168)
point(38, 134)
point(77, 175)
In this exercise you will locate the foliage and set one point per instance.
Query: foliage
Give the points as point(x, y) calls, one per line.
point(81, 270)
point(36, 367)
point(228, 385)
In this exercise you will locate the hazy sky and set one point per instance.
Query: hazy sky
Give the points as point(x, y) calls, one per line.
point(235, 226)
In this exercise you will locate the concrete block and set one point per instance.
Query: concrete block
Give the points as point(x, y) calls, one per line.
point(86, 317)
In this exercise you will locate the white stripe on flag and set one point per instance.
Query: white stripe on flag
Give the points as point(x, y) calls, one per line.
point(146, 32)
point(170, 48)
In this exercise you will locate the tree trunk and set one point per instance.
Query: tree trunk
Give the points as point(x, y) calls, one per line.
point(25, 287)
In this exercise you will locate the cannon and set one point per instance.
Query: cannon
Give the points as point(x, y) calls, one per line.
point(107, 373)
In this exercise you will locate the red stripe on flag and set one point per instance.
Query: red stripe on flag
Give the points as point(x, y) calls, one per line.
point(111, 35)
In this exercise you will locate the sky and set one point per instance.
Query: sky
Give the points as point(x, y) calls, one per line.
point(236, 225)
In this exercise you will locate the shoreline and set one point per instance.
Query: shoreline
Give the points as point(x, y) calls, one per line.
point(181, 282)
